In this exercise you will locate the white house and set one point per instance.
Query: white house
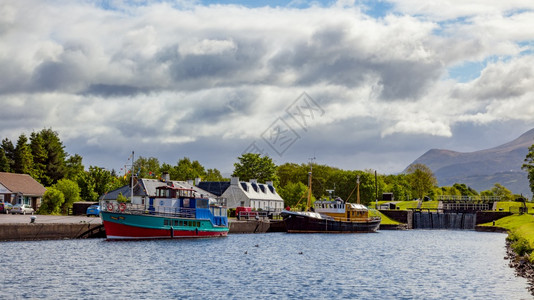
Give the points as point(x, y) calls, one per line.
point(241, 193)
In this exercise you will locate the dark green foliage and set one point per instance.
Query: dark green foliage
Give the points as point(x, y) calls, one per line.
point(56, 155)
point(39, 158)
point(74, 167)
point(23, 157)
point(102, 179)
point(9, 151)
point(4, 163)
point(86, 184)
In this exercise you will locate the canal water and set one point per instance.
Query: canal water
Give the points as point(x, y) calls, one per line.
point(414, 264)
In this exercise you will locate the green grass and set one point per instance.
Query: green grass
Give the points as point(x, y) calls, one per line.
point(404, 205)
point(520, 233)
point(387, 221)
point(505, 205)
point(512, 222)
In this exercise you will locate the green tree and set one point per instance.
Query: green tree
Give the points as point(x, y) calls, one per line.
point(294, 195)
point(529, 166)
point(421, 179)
point(187, 169)
point(213, 175)
point(147, 167)
point(464, 189)
point(39, 158)
point(74, 167)
point(53, 200)
point(23, 157)
point(399, 186)
point(291, 173)
point(86, 183)
point(9, 151)
point(70, 191)
point(102, 178)
point(253, 166)
point(500, 191)
point(55, 161)
point(4, 162)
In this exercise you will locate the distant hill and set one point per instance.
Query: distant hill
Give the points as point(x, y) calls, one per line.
point(482, 169)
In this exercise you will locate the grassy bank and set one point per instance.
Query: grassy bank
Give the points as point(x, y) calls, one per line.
point(520, 233)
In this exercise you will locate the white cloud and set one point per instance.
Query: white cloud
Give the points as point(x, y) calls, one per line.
point(177, 73)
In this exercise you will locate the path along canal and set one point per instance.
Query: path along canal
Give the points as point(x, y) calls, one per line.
point(412, 264)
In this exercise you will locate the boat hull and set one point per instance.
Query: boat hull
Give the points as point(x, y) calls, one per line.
point(128, 226)
point(301, 223)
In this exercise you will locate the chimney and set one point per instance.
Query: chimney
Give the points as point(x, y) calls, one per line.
point(197, 180)
point(254, 181)
point(166, 177)
point(234, 180)
point(190, 181)
point(269, 183)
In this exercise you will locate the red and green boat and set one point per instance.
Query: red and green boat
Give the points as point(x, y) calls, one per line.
point(173, 213)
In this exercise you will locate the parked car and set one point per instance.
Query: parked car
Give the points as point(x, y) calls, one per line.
point(5, 207)
point(93, 210)
point(22, 209)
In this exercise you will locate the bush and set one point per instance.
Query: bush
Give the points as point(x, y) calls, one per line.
point(521, 246)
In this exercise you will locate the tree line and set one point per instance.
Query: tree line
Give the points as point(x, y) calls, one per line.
point(43, 157)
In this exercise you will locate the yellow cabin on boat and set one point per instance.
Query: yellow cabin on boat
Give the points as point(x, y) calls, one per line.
point(341, 211)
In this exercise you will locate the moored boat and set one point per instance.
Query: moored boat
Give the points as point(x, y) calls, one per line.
point(173, 213)
point(330, 216)
point(334, 216)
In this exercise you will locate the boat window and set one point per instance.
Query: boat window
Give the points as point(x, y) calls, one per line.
point(166, 222)
point(186, 203)
point(175, 222)
point(202, 203)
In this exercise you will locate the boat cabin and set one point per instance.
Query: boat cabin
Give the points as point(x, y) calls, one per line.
point(180, 202)
point(341, 211)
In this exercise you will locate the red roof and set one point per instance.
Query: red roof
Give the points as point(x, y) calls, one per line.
point(21, 183)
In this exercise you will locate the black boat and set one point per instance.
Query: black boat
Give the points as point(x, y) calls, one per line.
point(331, 216)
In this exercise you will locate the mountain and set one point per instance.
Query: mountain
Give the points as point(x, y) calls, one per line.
point(482, 169)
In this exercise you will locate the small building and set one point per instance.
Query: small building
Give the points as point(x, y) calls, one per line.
point(21, 189)
point(249, 194)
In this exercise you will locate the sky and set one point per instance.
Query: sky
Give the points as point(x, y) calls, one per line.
point(352, 84)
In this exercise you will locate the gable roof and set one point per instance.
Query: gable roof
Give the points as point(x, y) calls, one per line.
point(147, 187)
point(214, 187)
point(22, 183)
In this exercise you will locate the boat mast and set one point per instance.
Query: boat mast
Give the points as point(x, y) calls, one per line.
point(308, 203)
point(131, 179)
point(358, 189)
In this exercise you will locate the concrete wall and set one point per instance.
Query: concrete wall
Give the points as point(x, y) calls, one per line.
point(249, 226)
point(490, 216)
point(402, 216)
point(22, 232)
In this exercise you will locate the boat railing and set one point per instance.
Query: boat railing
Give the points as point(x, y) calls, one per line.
point(247, 215)
point(140, 209)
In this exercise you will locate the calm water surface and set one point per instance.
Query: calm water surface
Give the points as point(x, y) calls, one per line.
point(416, 264)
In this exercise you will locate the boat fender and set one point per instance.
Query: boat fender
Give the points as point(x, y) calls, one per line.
point(110, 206)
point(122, 207)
